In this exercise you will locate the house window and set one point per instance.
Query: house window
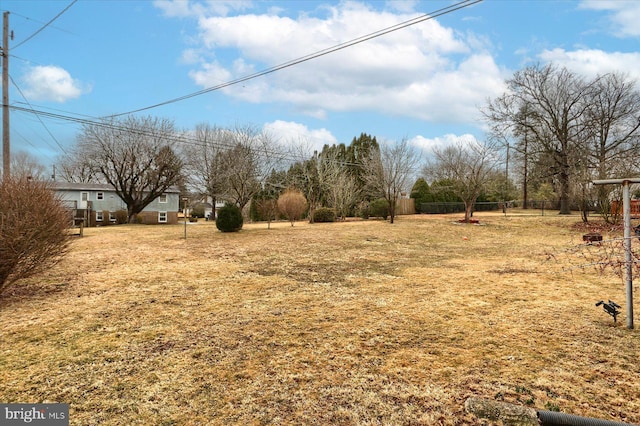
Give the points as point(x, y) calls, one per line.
point(100, 196)
point(162, 217)
point(112, 218)
point(99, 217)
point(84, 196)
point(162, 198)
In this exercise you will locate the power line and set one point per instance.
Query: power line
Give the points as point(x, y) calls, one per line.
point(115, 126)
point(324, 52)
point(45, 25)
point(38, 117)
point(94, 121)
point(178, 138)
point(26, 18)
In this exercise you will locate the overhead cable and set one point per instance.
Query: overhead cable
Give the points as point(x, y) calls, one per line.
point(341, 46)
point(45, 25)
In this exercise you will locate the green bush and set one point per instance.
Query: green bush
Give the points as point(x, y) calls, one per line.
point(324, 214)
point(421, 194)
point(229, 218)
point(379, 208)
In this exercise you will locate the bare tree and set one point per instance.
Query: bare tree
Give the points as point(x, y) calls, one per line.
point(75, 166)
point(268, 209)
point(556, 103)
point(33, 228)
point(240, 174)
point(252, 157)
point(468, 166)
point(205, 161)
point(391, 169)
point(344, 193)
point(135, 156)
point(613, 132)
point(336, 181)
point(25, 164)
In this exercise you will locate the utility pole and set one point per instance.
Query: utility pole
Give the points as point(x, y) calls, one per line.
point(6, 156)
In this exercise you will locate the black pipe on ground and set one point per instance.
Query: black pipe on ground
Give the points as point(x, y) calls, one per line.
point(553, 418)
point(512, 415)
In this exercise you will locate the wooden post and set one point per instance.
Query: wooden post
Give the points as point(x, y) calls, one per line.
point(6, 157)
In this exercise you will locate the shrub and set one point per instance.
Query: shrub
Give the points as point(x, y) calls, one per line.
point(33, 229)
point(292, 204)
point(122, 216)
point(379, 208)
point(229, 218)
point(106, 220)
point(197, 211)
point(324, 214)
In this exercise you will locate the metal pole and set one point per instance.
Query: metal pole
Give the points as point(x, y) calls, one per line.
point(6, 156)
point(626, 213)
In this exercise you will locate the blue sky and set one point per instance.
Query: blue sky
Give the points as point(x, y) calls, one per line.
point(424, 82)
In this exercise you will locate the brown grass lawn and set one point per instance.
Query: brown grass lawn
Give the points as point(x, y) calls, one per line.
point(355, 323)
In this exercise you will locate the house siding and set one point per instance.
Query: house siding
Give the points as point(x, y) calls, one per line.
point(71, 196)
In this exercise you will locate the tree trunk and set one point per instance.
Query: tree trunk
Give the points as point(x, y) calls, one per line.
point(131, 213)
point(392, 211)
point(564, 193)
point(467, 212)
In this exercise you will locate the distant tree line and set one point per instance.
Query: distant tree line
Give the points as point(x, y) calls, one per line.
point(551, 134)
point(142, 157)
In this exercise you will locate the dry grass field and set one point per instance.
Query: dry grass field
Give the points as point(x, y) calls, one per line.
point(354, 323)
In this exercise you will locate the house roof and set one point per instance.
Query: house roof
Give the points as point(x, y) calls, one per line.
point(75, 186)
point(82, 186)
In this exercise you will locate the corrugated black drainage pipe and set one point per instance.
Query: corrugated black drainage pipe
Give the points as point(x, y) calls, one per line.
point(553, 418)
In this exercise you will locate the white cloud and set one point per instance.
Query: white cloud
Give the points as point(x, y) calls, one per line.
point(404, 6)
point(190, 56)
point(299, 136)
point(428, 144)
point(426, 71)
point(624, 15)
point(210, 74)
point(51, 83)
point(591, 62)
point(185, 8)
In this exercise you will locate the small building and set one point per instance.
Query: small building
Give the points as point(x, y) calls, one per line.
point(98, 204)
point(207, 207)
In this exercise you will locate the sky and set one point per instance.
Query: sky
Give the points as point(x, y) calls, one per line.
point(426, 82)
